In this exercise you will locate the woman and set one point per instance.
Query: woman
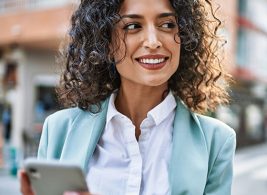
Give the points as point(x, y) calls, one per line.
point(137, 72)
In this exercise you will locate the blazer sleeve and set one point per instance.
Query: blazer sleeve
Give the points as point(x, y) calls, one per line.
point(42, 150)
point(221, 174)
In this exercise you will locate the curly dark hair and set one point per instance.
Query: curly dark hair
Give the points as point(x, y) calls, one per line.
point(89, 75)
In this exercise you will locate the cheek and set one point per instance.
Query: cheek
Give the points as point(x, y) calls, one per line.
point(130, 46)
point(126, 49)
point(124, 69)
point(177, 54)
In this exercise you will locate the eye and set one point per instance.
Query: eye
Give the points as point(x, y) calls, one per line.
point(169, 25)
point(132, 26)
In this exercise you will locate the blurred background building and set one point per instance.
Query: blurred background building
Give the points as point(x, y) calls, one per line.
point(31, 31)
point(30, 34)
point(246, 33)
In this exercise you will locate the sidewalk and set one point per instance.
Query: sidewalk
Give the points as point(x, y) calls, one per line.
point(250, 171)
point(9, 185)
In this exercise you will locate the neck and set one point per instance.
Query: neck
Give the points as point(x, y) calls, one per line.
point(136, 101)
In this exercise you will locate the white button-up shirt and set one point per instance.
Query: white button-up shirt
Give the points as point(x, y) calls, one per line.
point(121, 165)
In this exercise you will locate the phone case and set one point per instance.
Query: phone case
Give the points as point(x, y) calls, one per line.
point(54, 177)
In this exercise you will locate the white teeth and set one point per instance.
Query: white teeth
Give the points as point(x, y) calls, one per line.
point(152, 61)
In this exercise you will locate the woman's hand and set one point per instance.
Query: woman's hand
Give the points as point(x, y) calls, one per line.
point(25, 185)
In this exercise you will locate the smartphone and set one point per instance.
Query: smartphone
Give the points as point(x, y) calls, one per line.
point(54, 177)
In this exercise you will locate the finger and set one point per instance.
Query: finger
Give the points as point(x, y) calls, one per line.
point(25, 185)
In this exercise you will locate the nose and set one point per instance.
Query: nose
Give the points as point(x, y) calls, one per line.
point(151, 40)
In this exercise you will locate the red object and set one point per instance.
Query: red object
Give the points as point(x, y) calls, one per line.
point(244, 22)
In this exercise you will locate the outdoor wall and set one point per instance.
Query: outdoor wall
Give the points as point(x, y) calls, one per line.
point(39, 64)
point(35, 28)
point(33, 65)
point(227, 12)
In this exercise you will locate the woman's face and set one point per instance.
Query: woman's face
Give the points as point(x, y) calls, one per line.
point(149, 30)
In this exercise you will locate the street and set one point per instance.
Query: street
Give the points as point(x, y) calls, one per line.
point(9, 185)
point(250, 175)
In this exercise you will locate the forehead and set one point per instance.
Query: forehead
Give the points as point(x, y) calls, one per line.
point(145, 6)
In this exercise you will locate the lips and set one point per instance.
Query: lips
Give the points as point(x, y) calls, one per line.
point(152, 62)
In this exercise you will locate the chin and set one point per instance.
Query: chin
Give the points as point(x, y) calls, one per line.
point(156, 82)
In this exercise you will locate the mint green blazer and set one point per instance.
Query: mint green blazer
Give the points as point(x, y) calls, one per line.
point(202, 153)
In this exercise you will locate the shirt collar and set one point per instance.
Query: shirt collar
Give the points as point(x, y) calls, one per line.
point(112, 111)
point(158, 113)
point(163, 110)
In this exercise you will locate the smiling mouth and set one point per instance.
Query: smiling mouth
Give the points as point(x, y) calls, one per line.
point(153, 61)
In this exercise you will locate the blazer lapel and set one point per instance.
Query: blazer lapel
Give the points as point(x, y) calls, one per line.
point(189, 162)
point(81, 141)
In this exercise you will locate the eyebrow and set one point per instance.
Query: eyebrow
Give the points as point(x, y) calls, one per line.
point(136, 16)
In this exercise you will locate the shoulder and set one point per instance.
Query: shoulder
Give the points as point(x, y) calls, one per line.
point(58, 127)
point(211, 129)
point(66, 120)
point(220, 138)
point(69, 114)
point(58, 124)
point(214, 127)
point(75, 113)
point(215, 131)
point(209, 132)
